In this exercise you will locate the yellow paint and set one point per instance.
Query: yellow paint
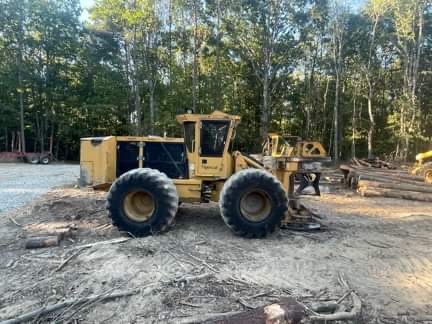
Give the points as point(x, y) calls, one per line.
point(278, 146)
point(189, 190)
point(213, 167)
point(423, 156)
point(98, 160)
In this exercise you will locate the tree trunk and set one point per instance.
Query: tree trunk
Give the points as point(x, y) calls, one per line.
point(337, 39)
point(170, 60)
point(368, 72)
point(218, 93)
point(137, 104)
point(6, 139)
point(354, 128)
point(325, 110)
point(265, 107)
point(51, 139)
point(195, 57)
point(336, 120)
point(136, 86)
point(13, 142)
point(152, 109)
point(372, 124)
point(20, 83)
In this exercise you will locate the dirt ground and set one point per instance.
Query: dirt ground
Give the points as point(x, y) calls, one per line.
point(381, 246)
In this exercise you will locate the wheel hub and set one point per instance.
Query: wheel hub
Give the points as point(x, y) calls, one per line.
point(428, 176)
point(139, 205)
point(255, 206)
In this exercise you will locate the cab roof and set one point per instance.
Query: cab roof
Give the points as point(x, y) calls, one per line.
point(216, 115)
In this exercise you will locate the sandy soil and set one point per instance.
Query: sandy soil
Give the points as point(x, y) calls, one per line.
point(382, 247)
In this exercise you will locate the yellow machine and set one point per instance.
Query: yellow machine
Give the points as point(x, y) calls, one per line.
point(149, 176)
point(278, 146)
point(423, 166)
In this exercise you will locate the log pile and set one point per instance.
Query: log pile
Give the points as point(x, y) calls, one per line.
point(382, 182)
point(373, 163)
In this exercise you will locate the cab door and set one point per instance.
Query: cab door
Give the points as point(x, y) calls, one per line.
point(213, 141)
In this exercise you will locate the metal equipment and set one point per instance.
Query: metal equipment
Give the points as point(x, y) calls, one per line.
point(149, 176)
point(423, 166)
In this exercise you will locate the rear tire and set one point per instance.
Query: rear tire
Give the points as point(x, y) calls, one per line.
point(426, 172)
point(142, 202)
point(253, 203)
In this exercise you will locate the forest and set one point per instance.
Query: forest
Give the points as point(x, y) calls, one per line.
point(355, 76)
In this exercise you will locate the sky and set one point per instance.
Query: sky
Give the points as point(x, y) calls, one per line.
point(85, 4)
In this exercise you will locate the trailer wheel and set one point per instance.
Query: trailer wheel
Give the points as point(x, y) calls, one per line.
point(45, 160)
point(33, 159)
point(142, 202)
point(253, 203)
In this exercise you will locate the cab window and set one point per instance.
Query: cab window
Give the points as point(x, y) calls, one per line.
point(213, 137)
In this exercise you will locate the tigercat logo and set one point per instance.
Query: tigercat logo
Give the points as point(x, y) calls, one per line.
point(207, 167)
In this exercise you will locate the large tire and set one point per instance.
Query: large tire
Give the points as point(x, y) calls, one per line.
point(426, 172)
point(142, 202)
point(253, 203)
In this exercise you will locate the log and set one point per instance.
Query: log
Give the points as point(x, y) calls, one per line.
point(356, 162)
point(42, 242)
point(363, 163)
point(378, 178)
point(328, 307)
point(287, 310)
point(346, 170)
point(62, 233)
point(398, 186)
point(388, 173)
point(351, 172)
point(391, 193)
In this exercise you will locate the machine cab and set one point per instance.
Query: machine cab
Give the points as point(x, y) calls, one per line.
point(207, 139)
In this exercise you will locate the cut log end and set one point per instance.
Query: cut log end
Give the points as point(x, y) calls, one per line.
point(42, 242)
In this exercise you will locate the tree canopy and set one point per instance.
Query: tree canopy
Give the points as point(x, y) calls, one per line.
point(358, 79)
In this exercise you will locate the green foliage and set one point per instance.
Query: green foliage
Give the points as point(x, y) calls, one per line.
point(129, 69)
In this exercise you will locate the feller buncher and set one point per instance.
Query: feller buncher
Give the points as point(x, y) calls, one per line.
point(423, 166)
point(148, 177)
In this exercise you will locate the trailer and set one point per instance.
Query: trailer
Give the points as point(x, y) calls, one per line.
point(29, 157)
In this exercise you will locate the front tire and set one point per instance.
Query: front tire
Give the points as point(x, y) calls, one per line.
point(253, 203)
point(142, 202)
point(426, 172)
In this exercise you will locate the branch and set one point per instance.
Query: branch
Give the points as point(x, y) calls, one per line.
point(338, 316)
